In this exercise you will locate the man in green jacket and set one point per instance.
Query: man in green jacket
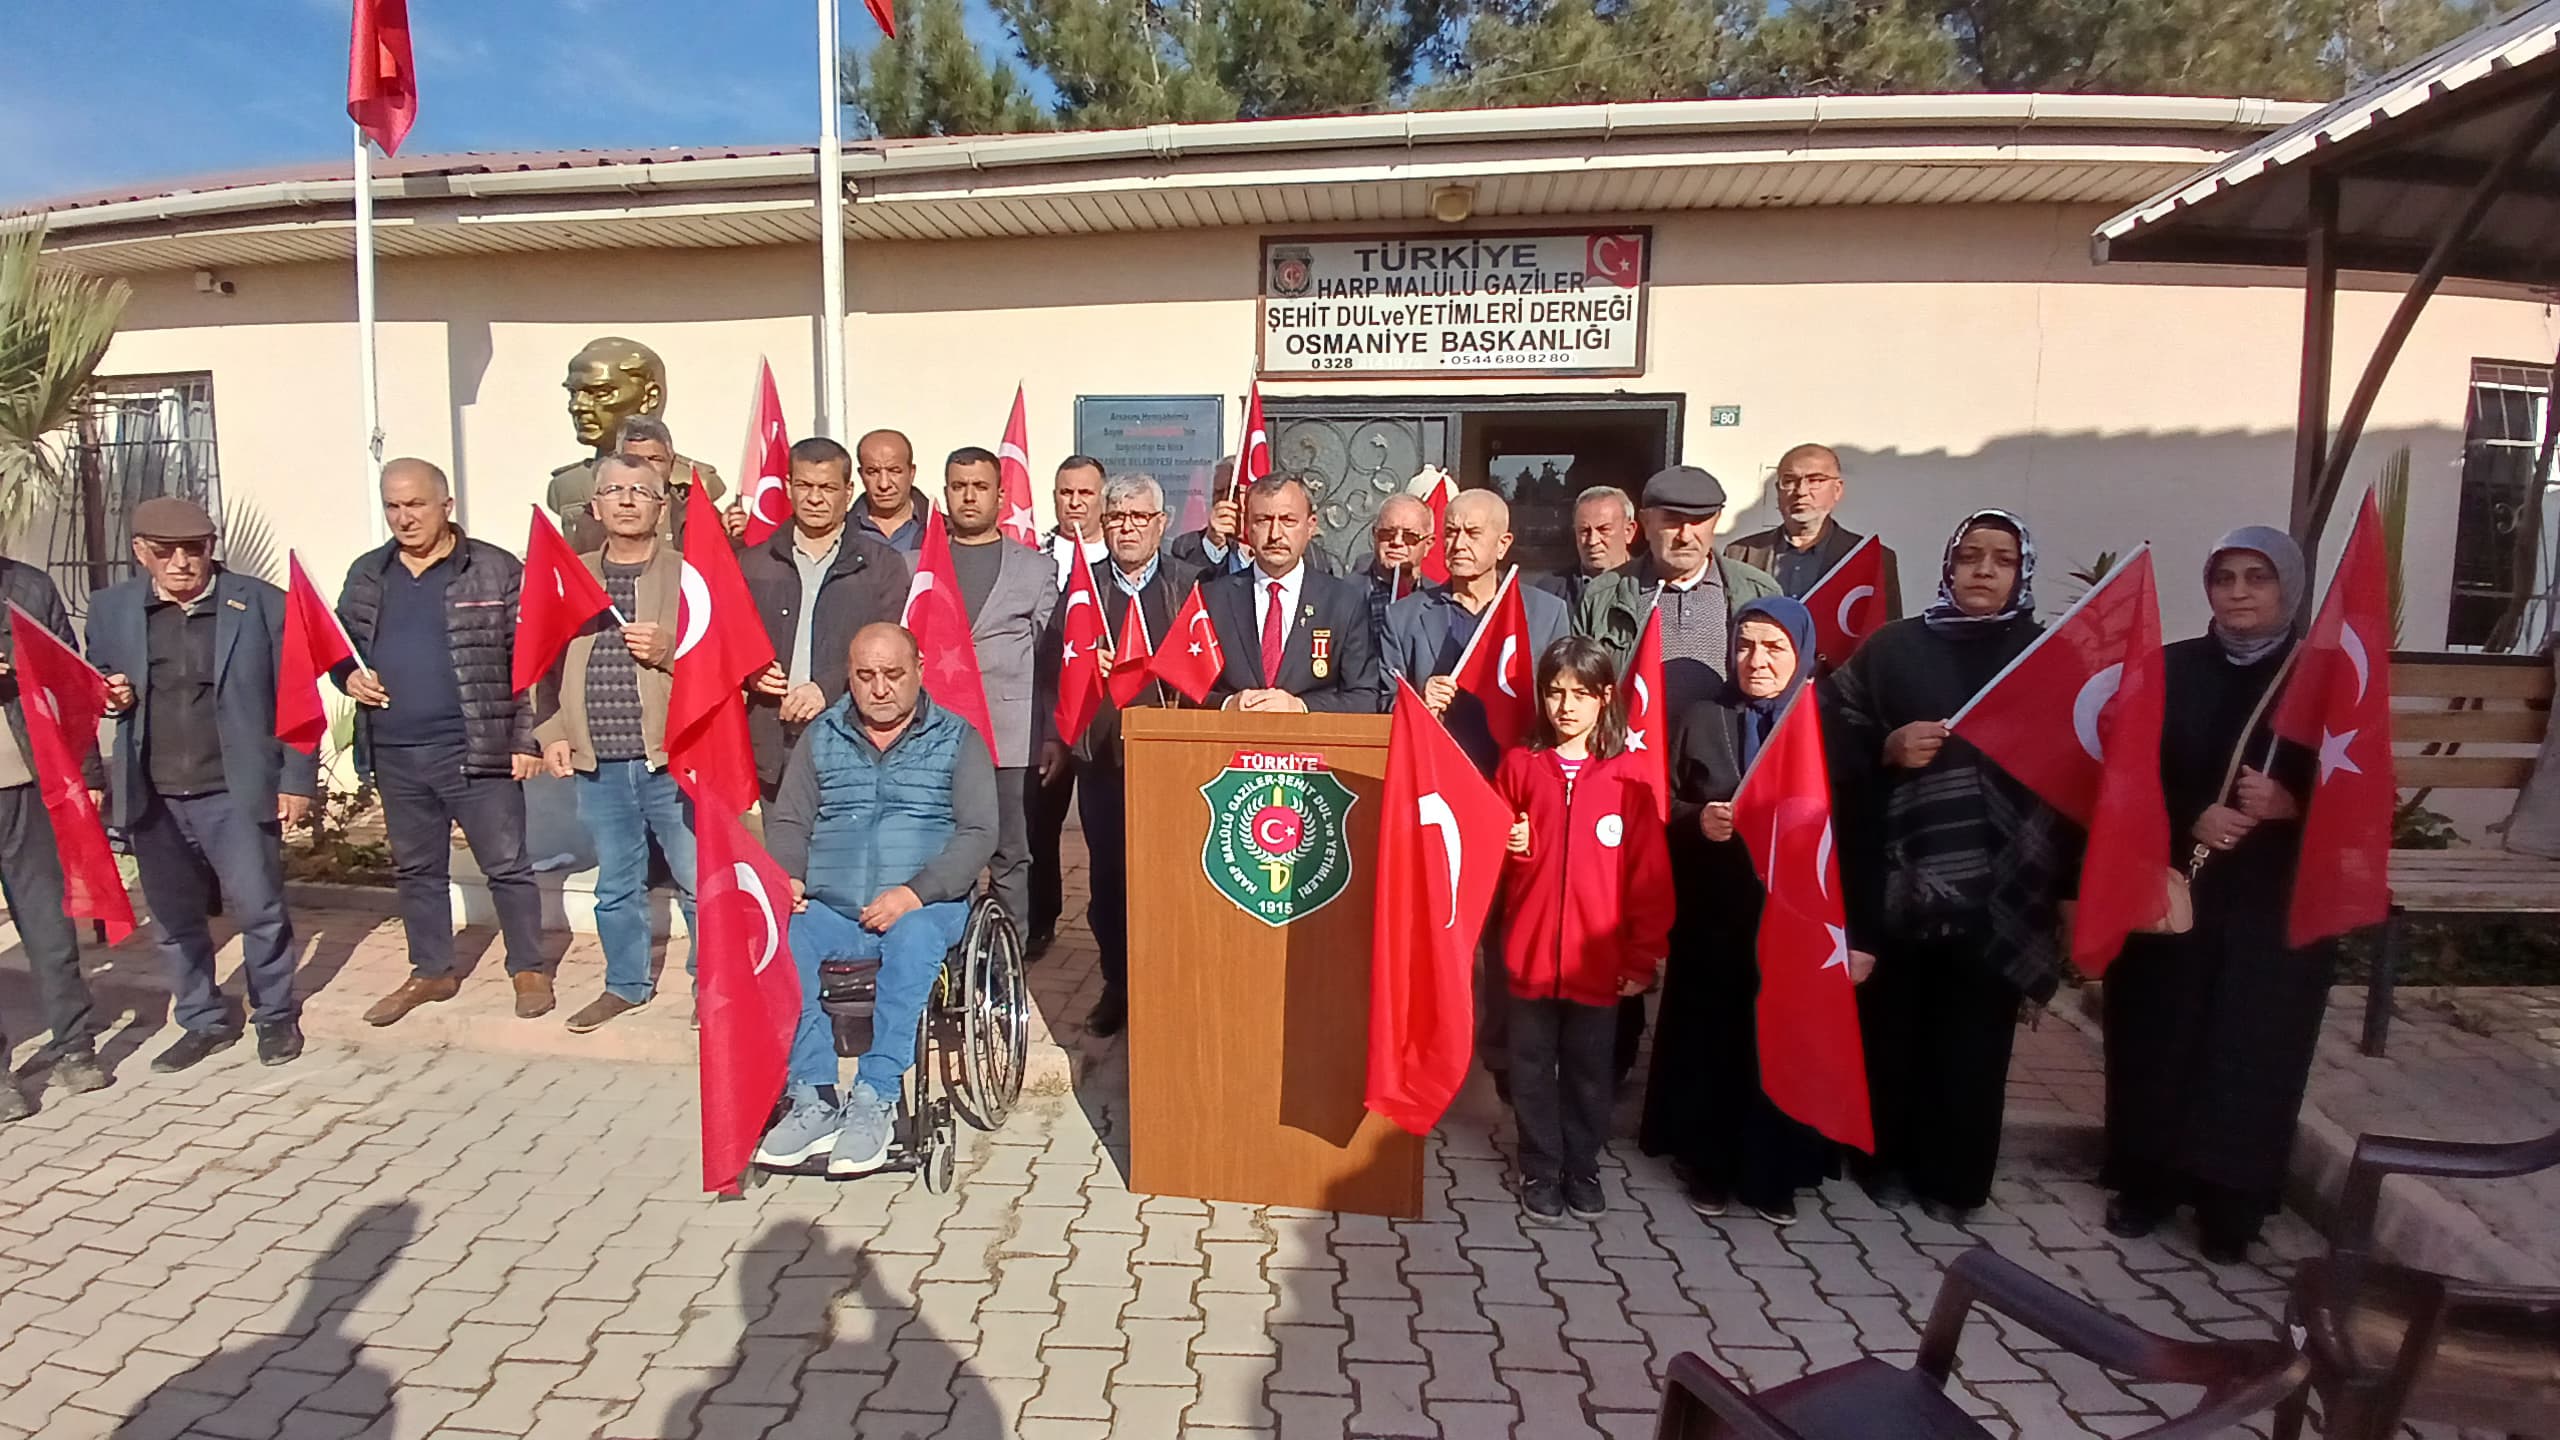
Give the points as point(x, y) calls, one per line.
point(1698, 590)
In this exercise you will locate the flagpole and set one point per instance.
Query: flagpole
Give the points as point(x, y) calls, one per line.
point(368, 377)
point(2050, 631)
point(831, 394)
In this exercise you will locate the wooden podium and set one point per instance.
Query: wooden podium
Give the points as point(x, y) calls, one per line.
point(1252, 868)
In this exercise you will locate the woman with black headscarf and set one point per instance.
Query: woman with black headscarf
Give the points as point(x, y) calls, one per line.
point(1703, 1104)
point(1954, 872)
point(2210, 1034)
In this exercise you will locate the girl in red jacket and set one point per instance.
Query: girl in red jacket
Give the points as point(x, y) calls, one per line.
point(1586, 900)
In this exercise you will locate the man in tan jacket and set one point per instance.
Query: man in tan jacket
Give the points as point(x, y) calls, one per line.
point(602, 722)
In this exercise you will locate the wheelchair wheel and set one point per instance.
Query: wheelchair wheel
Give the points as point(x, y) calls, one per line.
point(995, 1016)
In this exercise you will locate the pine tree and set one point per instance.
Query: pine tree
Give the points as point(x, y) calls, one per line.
point(933, 80)
point(1547, 52)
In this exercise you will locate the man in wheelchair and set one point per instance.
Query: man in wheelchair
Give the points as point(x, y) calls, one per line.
point(887, 813)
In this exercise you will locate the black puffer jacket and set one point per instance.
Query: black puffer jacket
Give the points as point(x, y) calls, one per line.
point(33, 591)
point(480, 627)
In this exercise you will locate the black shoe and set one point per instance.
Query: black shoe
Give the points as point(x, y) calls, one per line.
point(191, 1048)
point(1708, 1200)
point(279, 1042)
point(1542, 1200)
point(1946, 1214)
point(79, 1072)
point(1038, 941)
point(1782, 1214)
point(1584, 1197)
point(2129, 1221)
point(1110, 1016)
point(14, 1104)
point(1886, 1188)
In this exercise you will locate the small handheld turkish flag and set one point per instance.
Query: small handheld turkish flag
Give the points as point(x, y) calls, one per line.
point(767, 466)
point(1013, 470)
point(1080, 682)
point(2337, 704)
point(560, 596)
point(1132, 656)
point(1811, 1061)
point(1848, 603)
point(1441, 835)
point(720, 643)
point(382, 79)
point(1648, 728)
point(63, 699)
point(1500, 668)
point(750, 991)
point(1253, 462)
point(939, 620)
point(1434, 564)
point(1191, 659)
point(315, 643)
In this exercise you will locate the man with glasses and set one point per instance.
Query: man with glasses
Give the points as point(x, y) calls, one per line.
point(190, 650)
point(1806, 542)
point(1133, 528)
point(647, 437)
point(1077, 496)
point(1007, 589)
point(1604, 537)
point(816, 582)
point(1397, 540)
point(888, 508)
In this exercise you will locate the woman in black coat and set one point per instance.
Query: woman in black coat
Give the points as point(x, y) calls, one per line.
point(2210, 1034)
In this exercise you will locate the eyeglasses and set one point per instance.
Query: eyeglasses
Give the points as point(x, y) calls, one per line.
point(1131, 519)
point(1805, 482)
point(1386, 536)
point(636, 492)
point(170, 549)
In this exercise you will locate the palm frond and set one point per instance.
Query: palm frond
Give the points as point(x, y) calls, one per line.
point(55, 327)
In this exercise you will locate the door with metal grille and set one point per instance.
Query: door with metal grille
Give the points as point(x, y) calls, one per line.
point(1352, 463)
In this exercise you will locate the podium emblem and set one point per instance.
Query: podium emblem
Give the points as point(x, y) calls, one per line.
point(1277, 846)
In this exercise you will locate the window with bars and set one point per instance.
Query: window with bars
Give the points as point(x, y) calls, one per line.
point(141, 436)
point(2502, 436)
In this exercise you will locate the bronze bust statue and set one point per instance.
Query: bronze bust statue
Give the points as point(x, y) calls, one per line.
point(611, 380)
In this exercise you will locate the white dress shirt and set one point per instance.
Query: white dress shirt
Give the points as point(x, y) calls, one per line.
point(1062, 548)
point(1290, 586)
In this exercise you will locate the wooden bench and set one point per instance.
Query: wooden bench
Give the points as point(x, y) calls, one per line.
point(2461, 722)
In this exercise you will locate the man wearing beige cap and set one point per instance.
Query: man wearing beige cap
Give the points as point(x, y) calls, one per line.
point(197, 775)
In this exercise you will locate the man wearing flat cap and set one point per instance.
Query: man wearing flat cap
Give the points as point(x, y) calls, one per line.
point(197, 776)
point(1699, 591)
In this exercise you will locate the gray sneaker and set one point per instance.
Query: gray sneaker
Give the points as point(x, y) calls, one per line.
point(865, 1141)
point(805, 1131)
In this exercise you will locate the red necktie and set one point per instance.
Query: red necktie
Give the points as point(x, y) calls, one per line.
point(1271, 633)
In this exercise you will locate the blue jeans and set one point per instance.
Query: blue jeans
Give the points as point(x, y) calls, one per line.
point(623, 803)
point(186, 846)
point(910, 955)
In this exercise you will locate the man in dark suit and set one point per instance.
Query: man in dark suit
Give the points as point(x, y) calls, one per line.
point(1430, 629)
point(1806, 542)
point(1295, 640)
point(200, 780)
point(1133, 528)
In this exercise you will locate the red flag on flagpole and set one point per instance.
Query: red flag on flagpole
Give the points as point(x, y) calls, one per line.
point(2105, 654)
point(1013, 471)
point(1812, 1063)
point(939, 619)
point(1434, 564)
point(720, 642)
point(1080, 683)
point(766, 470)
point(1253, 462)
point(1132, 656)
point(2337, 704)
point(382, 79)
point(559, 597)
point(1848, 602)
point(1191, 659)
point(1500, 666)
point(885, 13)
point(750, 990)
point(315, 643)
point(1648, 724)
point(64, 699)
point(1441, 835)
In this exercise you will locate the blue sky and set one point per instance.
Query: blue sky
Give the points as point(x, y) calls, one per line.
point(101, 92)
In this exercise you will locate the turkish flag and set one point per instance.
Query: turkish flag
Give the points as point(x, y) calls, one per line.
point(939, 619)
point(766, 468)
point(1131, 656)
point(560, 596)
point(64, 699)
point(1080, 683)
point(1648, 728)
point(1013, 469)
point(1848, 602)
point(720, 643)
point(1441, 838)
point(1811, 1062)
point(1191, 659)
point(2337, 704)
point(1500, 666)
point(1435, 565)
point(2103, 769)
point(315, 643)
point(382, 79)
point(749, 989)
point(885, 12)
point(1254, 461)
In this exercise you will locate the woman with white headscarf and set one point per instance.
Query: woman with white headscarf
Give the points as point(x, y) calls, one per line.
point(2210, 1033)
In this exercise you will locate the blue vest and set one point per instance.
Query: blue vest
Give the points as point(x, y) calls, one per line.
point(881, 815)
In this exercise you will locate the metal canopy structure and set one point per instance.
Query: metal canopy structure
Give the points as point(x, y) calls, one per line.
point(2446, 168)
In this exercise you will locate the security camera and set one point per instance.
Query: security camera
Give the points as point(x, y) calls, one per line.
point(207, 283)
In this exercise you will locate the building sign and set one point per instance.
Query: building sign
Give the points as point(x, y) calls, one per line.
point(1278, 845)
point(1175, 438)
point(1567, 302)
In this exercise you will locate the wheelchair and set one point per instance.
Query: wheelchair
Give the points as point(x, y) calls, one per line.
point(971, 1041)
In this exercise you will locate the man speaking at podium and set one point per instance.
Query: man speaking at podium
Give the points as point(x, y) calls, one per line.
point(1294, 640)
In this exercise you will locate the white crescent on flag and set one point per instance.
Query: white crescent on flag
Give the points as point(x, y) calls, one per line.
point(1433, 810)
point(2353, 645)
point(1847, 602)
point(1822, 861)
point(753, 884)
point(2092, 699)
point(918, 586)
point(1502, 666)
point(697, 610)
